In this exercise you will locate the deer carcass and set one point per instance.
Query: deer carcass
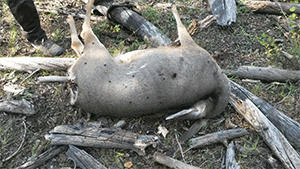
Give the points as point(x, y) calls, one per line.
point(146, 81)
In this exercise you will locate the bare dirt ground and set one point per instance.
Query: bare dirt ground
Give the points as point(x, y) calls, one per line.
point(255, 39)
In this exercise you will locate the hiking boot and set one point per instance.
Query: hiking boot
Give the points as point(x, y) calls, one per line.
point(48, 46)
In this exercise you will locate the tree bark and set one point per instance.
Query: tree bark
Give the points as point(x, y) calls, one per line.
point(29, 64)
point(217, 137)
point(83, 159)
point(264, 74)
point(89, 135)
point(170, 162)
point(17, 106)
point(193, 129)
point(136, 23)
point(41, 159)
point(287, 126)
point(272, 7)
point(271, 135)
point(230, 162)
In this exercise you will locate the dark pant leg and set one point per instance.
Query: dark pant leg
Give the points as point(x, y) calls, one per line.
point(25, 13)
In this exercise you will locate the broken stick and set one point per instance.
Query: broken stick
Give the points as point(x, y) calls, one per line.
point(287, 126)
point(265, 74)
point(272, 7)
point(17, 106)
point(170, 162)
point(230, 162)
point(217, 137)
point(83, 159)
point(30, 64)
point(89, 135)
point(41, 159)
point(271, 135)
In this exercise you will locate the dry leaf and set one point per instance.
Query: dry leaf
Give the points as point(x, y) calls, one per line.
point(162, 130)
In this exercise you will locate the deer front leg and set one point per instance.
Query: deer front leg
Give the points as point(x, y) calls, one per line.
point(76, 43)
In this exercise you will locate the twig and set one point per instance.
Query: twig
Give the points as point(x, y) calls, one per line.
point(38, 69)
point(8, 158)
point(180, 148)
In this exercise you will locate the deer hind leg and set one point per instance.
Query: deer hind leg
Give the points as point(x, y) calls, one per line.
point(184, 36)
point(76, 43)
point(87, 34)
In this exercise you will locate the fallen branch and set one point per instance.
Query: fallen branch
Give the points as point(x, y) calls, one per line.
point(17, 106)
point(89, 135)
point(218, 137)
point(30, 64)
point(170, 162)
point(272, 7)
point(229, 162)
point(83, 159)
point(287, 126)
point(264, 74)
point(41, 159)
point(194, 129)
point(271, 135)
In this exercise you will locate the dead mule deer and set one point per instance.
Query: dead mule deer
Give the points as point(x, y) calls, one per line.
point(146, 81)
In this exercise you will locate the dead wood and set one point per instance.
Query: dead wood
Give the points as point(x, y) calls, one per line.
point(17, 106)
point(229, 161)
point(75, 15)
point(139, 25)
point(217, 137)
point(264, 74)
point(30, 64)
point(193, 129)
point(226, 11)
point(41, 159)
point(170, 162)
point(89, 135)
point(272, 7)
point(83, 159)
point(287, 126)
point(271, 135)
point(119, 13)
point(53, 79)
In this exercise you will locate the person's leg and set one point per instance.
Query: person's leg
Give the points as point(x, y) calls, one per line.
point(25, 13)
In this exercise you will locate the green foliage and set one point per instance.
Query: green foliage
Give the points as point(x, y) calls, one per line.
point(271, 48)
point(152, 15)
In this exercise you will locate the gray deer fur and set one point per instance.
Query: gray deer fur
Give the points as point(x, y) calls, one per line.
point(184, 79)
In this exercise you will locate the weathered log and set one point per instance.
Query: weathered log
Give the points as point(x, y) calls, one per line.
point(41, 159)
point(217, 137)
point(271, 135)
point(287, 126)
point(229, 162)
point(264, 74)
point(194, 129)
point(29, 64)
point(53, 79)
point(119, 13)
point(268, 7)
point(89, 135)
point(170, 162)
point(225, 10)
point(17, 106)
point(83, 159)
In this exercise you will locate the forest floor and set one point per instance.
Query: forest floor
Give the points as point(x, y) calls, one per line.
point(254, 40)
